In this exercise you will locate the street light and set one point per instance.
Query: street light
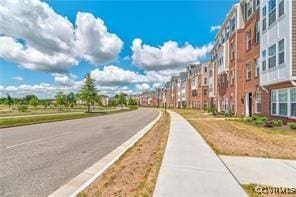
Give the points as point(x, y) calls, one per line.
point(165, 92)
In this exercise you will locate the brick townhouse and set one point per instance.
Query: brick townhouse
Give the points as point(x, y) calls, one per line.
point(278, 57)
point(235, 59)
point(197, 85)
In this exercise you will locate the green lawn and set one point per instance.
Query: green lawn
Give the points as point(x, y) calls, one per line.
point(19, 121)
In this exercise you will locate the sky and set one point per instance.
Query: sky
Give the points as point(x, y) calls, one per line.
point(126, 46)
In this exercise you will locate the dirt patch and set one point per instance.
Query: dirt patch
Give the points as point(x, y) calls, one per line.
point(135, 173)
point(231, 137)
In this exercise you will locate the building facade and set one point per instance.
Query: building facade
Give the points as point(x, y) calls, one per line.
point(278, 57)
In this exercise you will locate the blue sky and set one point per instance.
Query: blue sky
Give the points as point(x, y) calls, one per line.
point(186, 23)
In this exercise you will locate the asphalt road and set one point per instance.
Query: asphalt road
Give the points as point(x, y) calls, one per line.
point(36, 160)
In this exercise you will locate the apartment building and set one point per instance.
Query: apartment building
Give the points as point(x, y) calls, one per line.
point(235, 60)
point(228, 55)
point(192, 85)
point(278, 57)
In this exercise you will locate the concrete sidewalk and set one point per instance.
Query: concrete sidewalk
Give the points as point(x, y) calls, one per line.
point(271, 172)
point(191, 168)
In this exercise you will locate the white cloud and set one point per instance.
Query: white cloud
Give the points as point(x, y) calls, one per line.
point(37, 38)
point(169, 56)
point(143, 87)
point(157, 85)
point(32, 59)
point(94, 41)
point(66, 80)
point(113, 75)
point(215, 28)
point(18, 78)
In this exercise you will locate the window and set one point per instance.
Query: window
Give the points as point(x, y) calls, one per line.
point(227, 32)
point(271, 12)
point(205, 69)
point(249, 9)
point(205, 81)
point(232, 78)
point(232, 24)
point(205, 92)
point(264, 18)
point(293, 102)
point(248, 71)
point(272, 56)
point(232, 51)
point(281, 8)
point(258, 102)
point(281, 52)
point(249, 40)
point(257, 3)
point(283, 102)
point(193, 83)
point(264, 60)
point(257, 30)
point(273, 102)
point(257, 68)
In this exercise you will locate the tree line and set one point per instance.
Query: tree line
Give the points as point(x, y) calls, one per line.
point(88, 95)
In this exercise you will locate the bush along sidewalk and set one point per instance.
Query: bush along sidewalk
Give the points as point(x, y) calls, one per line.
point(266, 122)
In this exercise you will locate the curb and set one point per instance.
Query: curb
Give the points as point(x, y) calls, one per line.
point(84, 179)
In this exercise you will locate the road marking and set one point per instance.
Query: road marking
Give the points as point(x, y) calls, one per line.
point(37, 140)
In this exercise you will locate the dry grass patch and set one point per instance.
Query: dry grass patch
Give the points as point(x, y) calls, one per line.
point(237, 138)
point(135, 173)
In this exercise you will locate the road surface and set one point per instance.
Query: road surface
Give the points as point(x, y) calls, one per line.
point(36, 160)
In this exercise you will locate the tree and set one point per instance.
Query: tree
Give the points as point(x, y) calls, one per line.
point(60, 99)
point(28, 98)
point(132, 102)
point(71, 99)
point(88, 92)
point(45, 104)
point(121, 99)
point(9, 101)
point(99, 100)
point(34, 101)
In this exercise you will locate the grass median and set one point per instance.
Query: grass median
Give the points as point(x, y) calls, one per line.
point(135, 173)
point(20, 121)
point(229, 137)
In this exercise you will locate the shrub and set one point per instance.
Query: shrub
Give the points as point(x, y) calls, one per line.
point(268, 124)
point(259, 122)
point(255, 118)
point(263, 118)
point(228, 114)
point(277, 123)
point(248, 119)
point(22, 108)
point(133, 107)
point(214, 112)
point(292, 125)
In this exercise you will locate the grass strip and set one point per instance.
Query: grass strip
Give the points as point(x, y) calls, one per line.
point(21, 121)
point(135, 173)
